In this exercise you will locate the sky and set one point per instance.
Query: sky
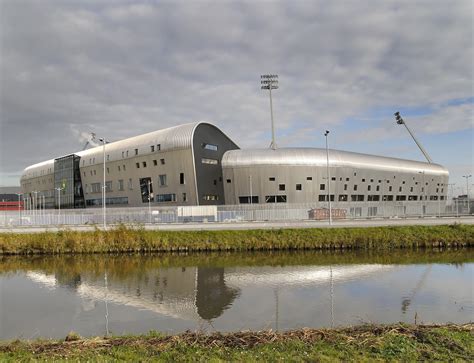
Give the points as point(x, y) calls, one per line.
point(123, 68)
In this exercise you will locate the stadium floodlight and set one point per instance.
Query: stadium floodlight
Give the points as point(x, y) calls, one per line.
point(467, 192)
point(269, 82)
point(328, 177)
point(401, 121)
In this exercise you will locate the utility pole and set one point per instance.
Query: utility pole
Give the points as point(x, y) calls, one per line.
point(328, 177)
point(269, 82)
point(467, 192)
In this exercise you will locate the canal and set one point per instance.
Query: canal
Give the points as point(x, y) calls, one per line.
point(99, 294)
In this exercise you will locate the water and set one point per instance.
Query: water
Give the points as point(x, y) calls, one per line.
point(93, 295)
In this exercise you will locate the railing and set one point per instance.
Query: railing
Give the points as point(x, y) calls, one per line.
point(234, 213)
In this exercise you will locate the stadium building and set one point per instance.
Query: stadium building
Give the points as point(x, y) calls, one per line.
point(197, 164)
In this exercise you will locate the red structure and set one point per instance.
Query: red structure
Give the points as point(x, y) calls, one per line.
point(11, 205)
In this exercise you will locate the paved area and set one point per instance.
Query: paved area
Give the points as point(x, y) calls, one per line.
point(259, 225)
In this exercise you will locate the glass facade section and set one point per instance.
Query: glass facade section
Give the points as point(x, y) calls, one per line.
point(67, 178)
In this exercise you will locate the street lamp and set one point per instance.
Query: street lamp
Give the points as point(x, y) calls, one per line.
point(467, 192)
point(150, 195)
point(59, 202)
point(19, 206)
point(327, 172)
point(269, 82)
point(401, 121)
point(102, 140)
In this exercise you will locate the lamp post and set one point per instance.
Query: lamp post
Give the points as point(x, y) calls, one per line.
point(149, 199)
point(328, 178)
point(401, 121)
point(269, 82)
point(102, 140)
point(59, 202)
point(467, 192)
point(19, 206)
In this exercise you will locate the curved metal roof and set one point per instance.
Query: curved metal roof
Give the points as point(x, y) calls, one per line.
point(172, 138)
point(317, 157)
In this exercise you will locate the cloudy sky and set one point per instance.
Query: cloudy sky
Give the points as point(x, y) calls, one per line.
point(122, 68)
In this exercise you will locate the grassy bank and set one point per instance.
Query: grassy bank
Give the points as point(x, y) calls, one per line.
point(364, 343)
point(126, 239)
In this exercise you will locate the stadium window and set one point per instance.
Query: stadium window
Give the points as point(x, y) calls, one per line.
point(247, 199)
point(120, 184)
point(124, 168)
point(108, 171)
point(345, 186)
point(152, 147)
point(144, 164)
point(369, 187)
point(210, 197)
point(162, 178)
point(158, 147)
point(363, 180)
point(185, 198)
point(228, 181)
point(322, 198)
point(275, 199)
point(281, 186)
point(138, 165)
point(155, 162)
point(209, 161)
point(298, 187)
point(118, 168)
point(403, 182)
point(401, 198)
point(309, 178)
point(123, 154)
point(333, 178)
point(411, 189)
point(322, 186)
point(136, 151)
point(377, 188)
point(127, 153)
point(371, 180)
point(390, 188)
point(215, 182)
point(343, 197)
point(272, 178)
point(399, 189)
point(355, 186)
point(130, 184)
point(108, 186)
point(181, 178)
point(347, 179)
point(209, 147)
point(162, 198)
point(95, 172)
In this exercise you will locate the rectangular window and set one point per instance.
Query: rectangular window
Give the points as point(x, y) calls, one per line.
point(369, 187)
point(181, 178)
point(272, 178)
point(411, 189)
point(345, 186)
point(377, 188)
point(185, 198)
point(138, 165)
point(127, 153)
point(333, 178)
point(210, 197)
point(412, 197)
point(136, 151)
point(210, 147)
point(120, 184)
point(298, 187)
point(209, 161)
point(119, 168)
point(108, 171)
point(373, 198)
point(155, 162)
point(399, 189)
point(347, 179)
point(152, 147)
point(388, 198)
point(228, 181)
point(372, 211)
point(124, 168)
point(324, 197)
point(246, 199)
point(158, 147)
point(94, 172)
point(123, 154)
point(401, 197)
point(357, 197)
point(309, 178)
point(162, 161)
point(322, 186)
point(343, 197)
point(95, 187)
point(163, 198)
point(130, 184)
point(275, 199)
point(390, 188)
point(108, 186)
point(355, 186)
point(144, 164)
point(363, 180)
point(162, 178)
point(281, 186)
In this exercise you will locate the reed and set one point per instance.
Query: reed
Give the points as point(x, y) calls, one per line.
point(126, 239)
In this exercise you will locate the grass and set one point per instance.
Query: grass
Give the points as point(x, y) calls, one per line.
point(399, 342)
point(127, 239)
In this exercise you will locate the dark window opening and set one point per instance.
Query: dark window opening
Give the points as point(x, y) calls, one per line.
point(248, 200)
point(155, 162)
point(333, 178)
point(343, 197)
point(322, 186)
point(275, 199)
point(388, 198)
point(228, 181)
point(324, 198)
point(401, 197)
point(181, 178)
point(272, 178)
point(281, 186)
point(373, 198)
point(357, 197)
point(144, 164)
point(146, 189)
point(298, 187)
point(152, 147)
point(138, 165)
point(136, 151)
point(309, 178)
point(162, 161)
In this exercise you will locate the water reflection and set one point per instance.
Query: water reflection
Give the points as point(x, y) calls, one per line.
point(104, 294)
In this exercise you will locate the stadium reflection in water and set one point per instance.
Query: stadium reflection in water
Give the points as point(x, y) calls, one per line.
point(51, 300)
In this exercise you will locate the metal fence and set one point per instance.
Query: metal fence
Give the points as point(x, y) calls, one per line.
point(233, 213)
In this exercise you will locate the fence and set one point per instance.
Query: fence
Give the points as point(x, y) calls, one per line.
point(233, 213)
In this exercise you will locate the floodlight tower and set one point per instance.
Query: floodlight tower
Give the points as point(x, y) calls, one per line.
point(269, 82)
point(401, 121)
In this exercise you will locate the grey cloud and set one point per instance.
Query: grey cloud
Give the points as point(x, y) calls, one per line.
point(124, 68)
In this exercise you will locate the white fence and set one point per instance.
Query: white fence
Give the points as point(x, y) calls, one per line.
point(234, 213)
